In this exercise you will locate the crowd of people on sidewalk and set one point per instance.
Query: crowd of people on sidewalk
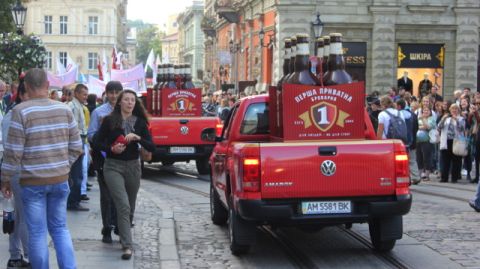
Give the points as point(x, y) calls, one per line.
point(442, 136)
point(48, 144)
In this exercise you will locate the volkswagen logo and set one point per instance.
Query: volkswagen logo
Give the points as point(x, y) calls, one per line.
point(184, 130)
point(328, 168)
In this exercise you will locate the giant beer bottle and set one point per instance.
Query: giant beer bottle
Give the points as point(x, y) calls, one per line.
point(326, 53)
point(286, 63)
point(336, 63)
point(188, 84)
point(170, 78)
point(293, 53)
point(319, 53)
point(302, 74)
point(286, 73)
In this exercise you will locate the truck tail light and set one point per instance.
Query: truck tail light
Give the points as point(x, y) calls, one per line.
point(402, 172)
point(251, 169)
point(218, 129)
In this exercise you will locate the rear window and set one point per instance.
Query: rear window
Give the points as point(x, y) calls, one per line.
point(255, 121)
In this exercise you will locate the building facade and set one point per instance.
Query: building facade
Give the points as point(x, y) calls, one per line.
point(384, 39)
point(78, 29)
point(170, 40)
point(191, 40)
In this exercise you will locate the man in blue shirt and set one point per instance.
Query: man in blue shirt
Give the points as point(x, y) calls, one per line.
point(107, 207)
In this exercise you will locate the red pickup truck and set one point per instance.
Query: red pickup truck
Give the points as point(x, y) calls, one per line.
point(258, 181)
point(178, 139)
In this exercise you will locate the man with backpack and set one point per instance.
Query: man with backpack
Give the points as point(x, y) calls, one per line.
point(411, 121)
point(391, 123)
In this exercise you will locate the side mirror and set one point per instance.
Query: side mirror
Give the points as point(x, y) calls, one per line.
point(209, 135)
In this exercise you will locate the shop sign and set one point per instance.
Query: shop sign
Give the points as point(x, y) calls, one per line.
point(420, 55)
point(355, 54)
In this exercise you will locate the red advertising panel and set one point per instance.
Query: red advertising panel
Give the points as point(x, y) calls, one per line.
point(181, 103)
point(318, 113)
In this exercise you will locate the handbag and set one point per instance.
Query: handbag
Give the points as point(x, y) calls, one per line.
point(145, 155)
point(434, 136)
point(460, 146)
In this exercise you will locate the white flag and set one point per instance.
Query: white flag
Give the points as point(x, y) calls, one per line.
point(151, 63)
point(60, 68)
point(70, 63)
point(106, 75)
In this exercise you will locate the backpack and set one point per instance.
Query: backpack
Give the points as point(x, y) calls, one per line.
point(409, 125)
point(397, 128)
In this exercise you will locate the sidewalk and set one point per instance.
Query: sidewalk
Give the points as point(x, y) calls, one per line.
point(85, 230)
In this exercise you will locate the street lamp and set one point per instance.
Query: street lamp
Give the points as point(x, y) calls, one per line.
point(317, 26)
point(19, 14)
point(271, 42)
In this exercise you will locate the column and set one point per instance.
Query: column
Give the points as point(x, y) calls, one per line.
point(466, 54)
point(383, 48)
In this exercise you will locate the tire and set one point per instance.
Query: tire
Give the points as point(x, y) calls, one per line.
point(379, 244)
point(218, 212)
point(203, 166)
point(167, 163)
point(239, 230)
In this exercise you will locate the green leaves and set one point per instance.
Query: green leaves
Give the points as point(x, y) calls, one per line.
point(19, 52)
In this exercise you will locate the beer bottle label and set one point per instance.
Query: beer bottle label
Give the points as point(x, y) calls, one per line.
point(336, 48)
point(303, 49)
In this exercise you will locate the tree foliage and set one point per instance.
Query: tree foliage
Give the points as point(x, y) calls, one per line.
point(148, 38)
point(7, 24)
point(19, 52)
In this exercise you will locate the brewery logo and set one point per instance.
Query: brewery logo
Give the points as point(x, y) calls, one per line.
point(324, 115)
point(181, 104)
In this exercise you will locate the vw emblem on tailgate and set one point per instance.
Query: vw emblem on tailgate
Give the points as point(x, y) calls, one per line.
point(184, 130)
point(328, 168)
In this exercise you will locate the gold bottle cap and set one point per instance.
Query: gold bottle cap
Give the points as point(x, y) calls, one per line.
point(335, 35)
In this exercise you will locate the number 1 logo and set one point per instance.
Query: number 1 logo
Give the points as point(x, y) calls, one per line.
point(324, 115)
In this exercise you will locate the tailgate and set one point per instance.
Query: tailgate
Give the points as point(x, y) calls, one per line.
point(180, 131)
point(360, 168)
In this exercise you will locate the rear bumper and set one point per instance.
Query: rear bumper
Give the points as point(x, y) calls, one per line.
point(162, 153)
point(289, 212)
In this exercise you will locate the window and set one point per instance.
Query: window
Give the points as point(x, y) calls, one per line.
point(48, 61)
point(93, 25)
point(92, 60)
point(63, 58)
point(47, 20)
point(255, 121)
point(227, 125)
point(63, 25)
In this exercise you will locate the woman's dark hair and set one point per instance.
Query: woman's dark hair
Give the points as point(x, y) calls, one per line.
point(92, 99)
point(21, 90)
point(138, 110)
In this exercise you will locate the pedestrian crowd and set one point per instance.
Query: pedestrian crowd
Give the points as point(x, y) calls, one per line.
point(50, 144)
point(442, 136)
point(219, 104)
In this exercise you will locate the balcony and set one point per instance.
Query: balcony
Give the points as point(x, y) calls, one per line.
point(208, 26)
point(227, 9)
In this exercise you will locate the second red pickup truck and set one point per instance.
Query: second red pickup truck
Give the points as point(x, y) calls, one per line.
point(257, 181)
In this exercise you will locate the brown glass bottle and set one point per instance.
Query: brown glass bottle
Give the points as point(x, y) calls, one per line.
point(302, 74)
point(319, 57)
point(336, 63)
point(188, 84)
point(170, 78)
point(293, 53)
point(326, 53)
point(286, 62)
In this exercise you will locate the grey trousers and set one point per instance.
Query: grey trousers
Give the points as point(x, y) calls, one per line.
point(412, 161)
point(123, 181)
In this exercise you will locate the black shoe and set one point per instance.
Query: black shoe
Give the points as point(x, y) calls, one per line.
point(472, 205)
point(443, 181)
point(77, 208)
point(127, 254)
point(115, 230)
point(20, 263)
point(89, 184)
point(107, 236)
point(469, 178)
point(85, 197)
point(475, 180)
point(89, 189)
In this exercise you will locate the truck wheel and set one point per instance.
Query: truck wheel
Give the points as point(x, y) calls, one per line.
point(167, 163)
point(380, 244)
point(203, 167)
point(218, 213)
point(240, 233)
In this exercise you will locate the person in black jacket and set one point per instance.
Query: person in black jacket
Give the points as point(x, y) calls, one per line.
point(121, 135)
point(405, 82)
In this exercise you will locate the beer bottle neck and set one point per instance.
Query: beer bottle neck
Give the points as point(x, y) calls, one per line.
point(302, 57)
point(326, 51)
point(335, 60)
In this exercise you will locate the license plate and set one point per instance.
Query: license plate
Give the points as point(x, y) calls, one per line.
point(327, 207)
point(182, 150)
